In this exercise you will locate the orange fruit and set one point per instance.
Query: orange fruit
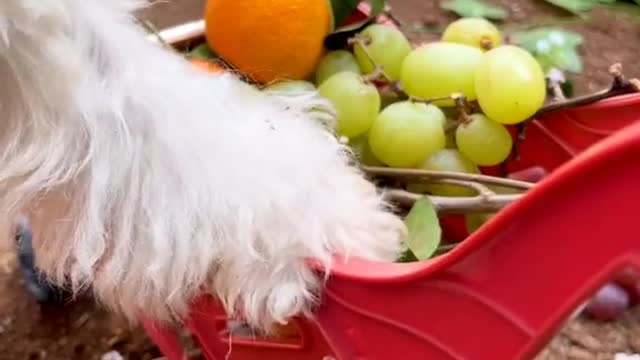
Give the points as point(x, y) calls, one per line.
point(207, 65)
point(269, 40)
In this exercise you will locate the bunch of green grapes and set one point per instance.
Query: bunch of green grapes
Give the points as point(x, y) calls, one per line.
point(453, 102)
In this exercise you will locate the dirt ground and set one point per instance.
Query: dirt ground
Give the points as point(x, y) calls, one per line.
point(80, 330)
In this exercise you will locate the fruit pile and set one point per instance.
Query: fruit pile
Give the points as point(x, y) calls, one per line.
point(446, 106)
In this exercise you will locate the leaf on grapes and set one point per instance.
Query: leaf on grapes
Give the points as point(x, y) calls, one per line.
point(203, 51)
point(344, 8)
point(475, 8)
point(424, 229)
point(552, 47)
point(574, 6)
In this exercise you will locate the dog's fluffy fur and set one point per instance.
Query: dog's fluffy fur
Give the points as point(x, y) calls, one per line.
point(149, 181)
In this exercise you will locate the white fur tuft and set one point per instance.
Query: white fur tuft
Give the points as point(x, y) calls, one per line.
point(148, 181)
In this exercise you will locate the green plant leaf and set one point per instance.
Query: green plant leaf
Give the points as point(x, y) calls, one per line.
point(203, 51)
point(475, 8)
point(574, 6)
point(338, 38)
point(552, 47)
point(342, 9)
point(424, 229)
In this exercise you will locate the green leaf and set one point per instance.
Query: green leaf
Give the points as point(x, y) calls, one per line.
point(424, 229)
point(552, 47)
point(475, 8)
point(203, 51)
point(343, 8)
point(574, 6)
point(566, 58)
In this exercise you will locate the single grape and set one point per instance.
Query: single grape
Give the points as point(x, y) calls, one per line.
point(510, 84)
point(356, 102)
point(608, 303)
point(360, 146)
point(291, 86)
point(477, 32)
point(440, 69)
point(405, 133)
point(483, 141)
point(386, 45)
point(446, 160)
point(334, 62)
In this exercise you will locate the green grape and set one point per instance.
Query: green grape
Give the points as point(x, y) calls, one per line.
point(473, 221)
point(386, 45)
point(405, 133)
point(483, 141)
point(334, 62)
point(360, 146)
point(292, 86)
point(510, 85)
point(440, 69)
point(477, 32)
point(356, 102)
point(446, 160)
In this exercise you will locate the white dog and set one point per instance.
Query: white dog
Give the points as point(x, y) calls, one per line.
point(148, 181)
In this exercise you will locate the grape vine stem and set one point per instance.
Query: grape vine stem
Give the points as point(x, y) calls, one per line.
point(455, 205)
point(619, 86)
point(378, 70)
point(430, 175)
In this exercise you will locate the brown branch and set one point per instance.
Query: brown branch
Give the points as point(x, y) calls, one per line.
point(455, 205)
point(619, 86)
point(481, 189)
point(438, 175)
point(556, 79)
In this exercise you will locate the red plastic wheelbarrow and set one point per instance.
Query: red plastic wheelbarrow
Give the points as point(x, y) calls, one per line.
point(502, 293)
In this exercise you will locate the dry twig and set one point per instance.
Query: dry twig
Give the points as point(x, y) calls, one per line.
point(438, 175)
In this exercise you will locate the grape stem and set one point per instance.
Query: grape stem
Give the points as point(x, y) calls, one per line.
point(619, 86)
point(480, 188)
point(455, 205)
point(435, 176)
point(378, 70)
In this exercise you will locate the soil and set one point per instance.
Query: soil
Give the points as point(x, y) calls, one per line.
point(78, 329)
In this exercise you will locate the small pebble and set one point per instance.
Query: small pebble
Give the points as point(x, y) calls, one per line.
point(112, 355)
point(623, 356)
